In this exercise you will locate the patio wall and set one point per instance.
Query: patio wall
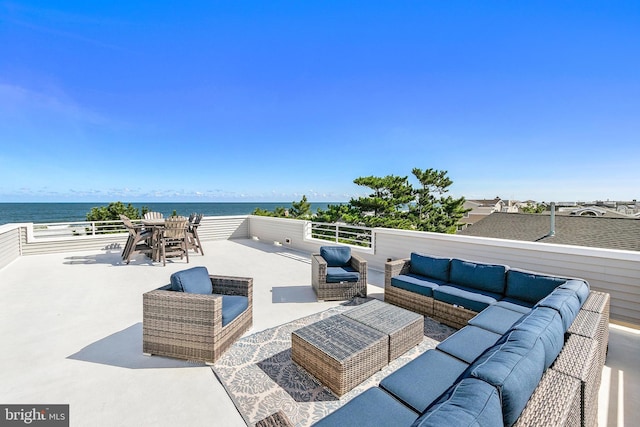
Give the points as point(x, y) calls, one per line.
point(614, 271)
point(9, 243)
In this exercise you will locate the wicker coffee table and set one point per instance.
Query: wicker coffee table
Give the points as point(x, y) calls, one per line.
point(340, 352)
point(405, 328)
point(343, 350)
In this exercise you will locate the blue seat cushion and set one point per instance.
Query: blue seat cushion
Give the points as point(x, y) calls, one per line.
point(428, 266)
point(232, 307)
point(336, 256)
point(495, 319)
point(342, 274)
point(565, 302)
point(580, 287)
point(473, 299)
point(514, 366)
point(515, 305)
point(484, 277)
point(529, 286)
point(193, 280)
point(468, 343)
point(546, 324)
point(414, 283)
point(470, 402)
point(420, 382)
point(374, 407)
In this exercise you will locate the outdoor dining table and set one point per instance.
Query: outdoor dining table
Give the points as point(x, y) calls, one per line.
point(157, 226)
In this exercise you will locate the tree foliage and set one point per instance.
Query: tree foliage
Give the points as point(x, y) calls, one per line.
point(113, 212)
point(392, 203)
point(533, 208)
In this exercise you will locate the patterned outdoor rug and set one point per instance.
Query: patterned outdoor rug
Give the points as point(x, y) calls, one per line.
point(259, 375)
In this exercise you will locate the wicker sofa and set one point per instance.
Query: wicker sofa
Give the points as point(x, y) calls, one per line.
point(532, 357)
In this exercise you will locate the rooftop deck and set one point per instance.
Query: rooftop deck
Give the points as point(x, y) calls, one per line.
point(71, 327)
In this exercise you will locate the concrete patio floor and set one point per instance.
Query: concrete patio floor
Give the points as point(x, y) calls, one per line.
point(71, 330)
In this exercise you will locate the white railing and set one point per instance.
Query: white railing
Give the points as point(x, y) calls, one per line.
point(76, 229)
point(342, 233)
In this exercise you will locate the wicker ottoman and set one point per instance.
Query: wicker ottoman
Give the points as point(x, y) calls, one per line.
point(340, 352)
point(405, 328)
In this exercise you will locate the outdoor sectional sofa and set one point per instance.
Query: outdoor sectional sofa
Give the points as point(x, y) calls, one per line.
point(530, 350)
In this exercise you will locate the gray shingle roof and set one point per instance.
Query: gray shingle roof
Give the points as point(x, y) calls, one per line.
point(598, 232)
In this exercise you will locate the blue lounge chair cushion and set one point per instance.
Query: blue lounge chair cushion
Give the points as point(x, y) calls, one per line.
point(514, 366)
point(580, 287)
point(336, 256)
point(468, 343)
point(546, 324)
point(414, 283)
point(373, 408)
point(420, 382)
point(530, 287)
point(342, 274)
point(473, 299)
point(232, 307)
point(193, 280)
point(495, 319)
point(515, 305)
point(484, 277)
point(565, 302)
point(424, 265)
point(470, 402)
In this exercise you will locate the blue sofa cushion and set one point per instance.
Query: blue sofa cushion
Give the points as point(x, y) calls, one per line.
point(580, 287)
point(530, 287)
point(342, 274)
point(193, 280)
point(515, 305)
point(415, 283)
point(545, 323)
point(514, 366)
point(336, 256)
point(472, 299)
point(424, 265)
point(484, 277)
point(374, 407)
point(232, 307)
point(496, 319)
point(565, 302)
point(468, 343)
point(470, 402)
point(420, 382)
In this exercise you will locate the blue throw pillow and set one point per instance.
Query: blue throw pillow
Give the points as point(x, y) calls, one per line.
point(530, 287)
point(194, 281)
point(336, 256)
point(424, 265)
point(485, 277)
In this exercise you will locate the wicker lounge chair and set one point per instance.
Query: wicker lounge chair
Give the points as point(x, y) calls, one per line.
point(338, 274)
point(196, 326)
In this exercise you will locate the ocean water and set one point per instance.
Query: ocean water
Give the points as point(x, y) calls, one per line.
point(66, 212)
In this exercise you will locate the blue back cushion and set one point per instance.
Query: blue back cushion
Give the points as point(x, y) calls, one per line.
point(514, 366)
point(565, 302)
point(486, 277)
point(580, 287)
point(424, 265)
point(470, 402)
point(530, 287)
point(545, 323)
point(336, 256)
point(193, 280)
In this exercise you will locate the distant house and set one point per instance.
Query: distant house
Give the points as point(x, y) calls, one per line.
point(599, 232)
point(482, 208)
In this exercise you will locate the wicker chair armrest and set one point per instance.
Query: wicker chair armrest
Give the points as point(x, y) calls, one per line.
point(170, 306)
point(395, 268)
point(358, 263)
point(321, 263)
point(230, 285)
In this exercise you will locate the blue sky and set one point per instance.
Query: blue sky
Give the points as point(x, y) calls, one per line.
point(267, 101)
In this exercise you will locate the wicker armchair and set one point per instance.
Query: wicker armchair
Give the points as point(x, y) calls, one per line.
point(190, 325)
point(326, 287)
